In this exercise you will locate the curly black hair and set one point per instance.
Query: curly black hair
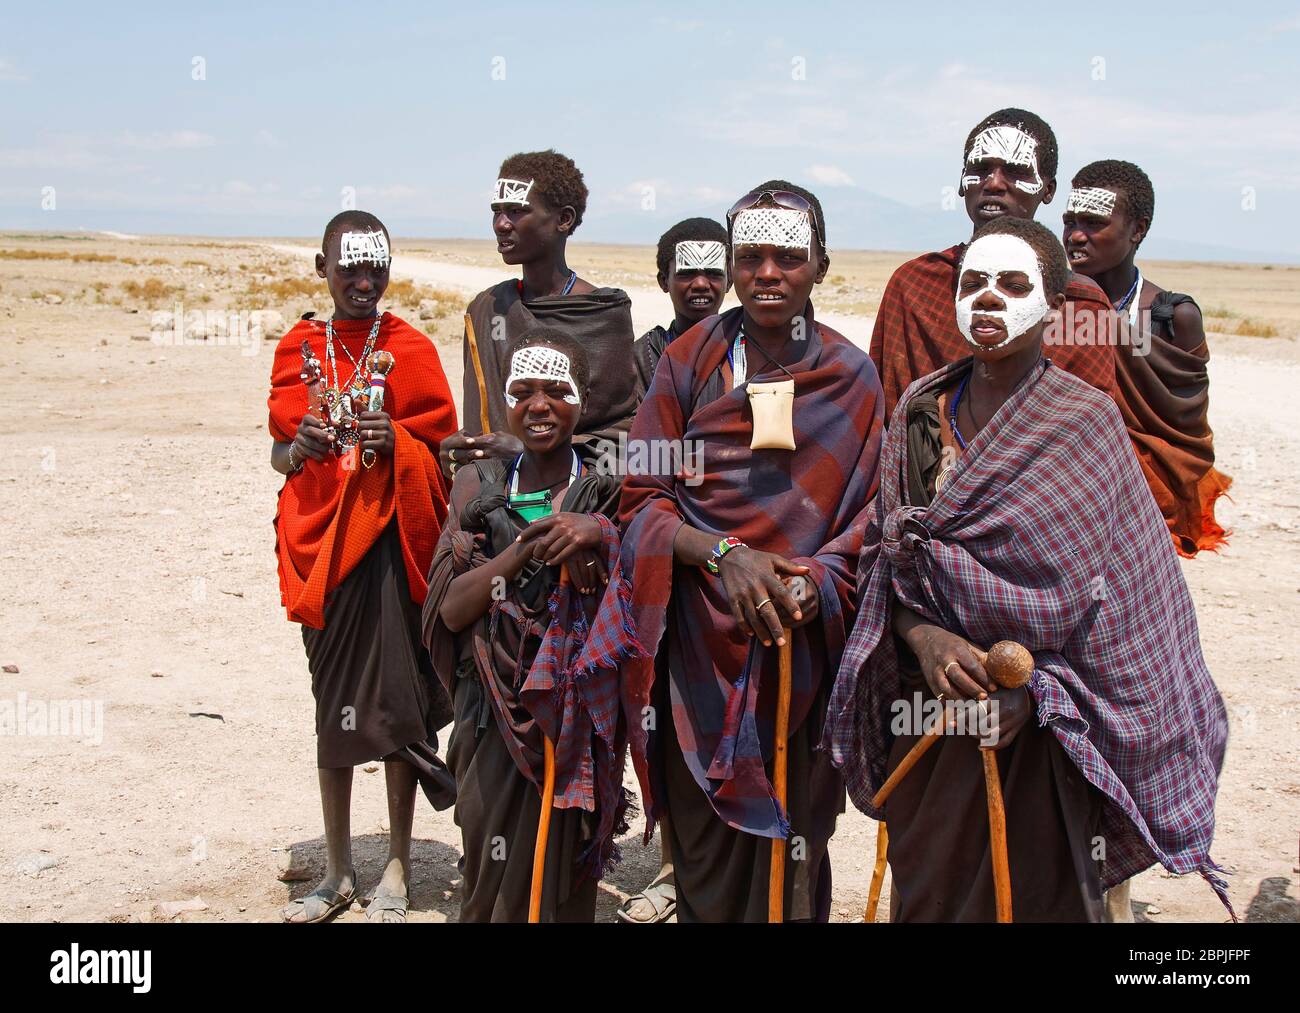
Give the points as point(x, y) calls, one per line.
point(1127, 180)
point(363, 219)
point(1035, 126)
point(1048, 249)
point(697, 229)
point(552, 337)
point(555, 177)
point(818, 215)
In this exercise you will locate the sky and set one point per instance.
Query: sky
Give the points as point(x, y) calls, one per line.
point(260, 119)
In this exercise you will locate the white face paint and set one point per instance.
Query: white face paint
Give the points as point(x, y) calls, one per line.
point(539, 362)
point(364, 248)
point(701, 255)
point(1091, 200)
point(993, 256)
point(1010, 145)
point(512, 191)
point(783, 227)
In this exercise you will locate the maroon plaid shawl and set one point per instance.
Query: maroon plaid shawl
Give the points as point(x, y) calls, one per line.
point(916, 326)
point(1048, 535)
point(804, 505)
point(572, 693)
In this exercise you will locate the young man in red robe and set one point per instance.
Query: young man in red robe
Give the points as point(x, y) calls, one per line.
point(1008, 168)
point(360, 512)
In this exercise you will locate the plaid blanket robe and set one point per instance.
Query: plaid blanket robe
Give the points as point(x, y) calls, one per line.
point(916, 326)
point(572, 693)
point(1047, 535)
point(805, 505)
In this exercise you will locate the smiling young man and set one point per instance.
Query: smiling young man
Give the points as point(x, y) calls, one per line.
point(713, 566)
point(1164, 393)
point(514, 527)
point(692, 262)
point(1008, 169)
point(537, 203)
point(359, 513)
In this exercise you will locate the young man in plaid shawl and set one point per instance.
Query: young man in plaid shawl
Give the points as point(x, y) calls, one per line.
point(1011, 507)
point(527, 656)
point(1008, 169)
point(712, 552)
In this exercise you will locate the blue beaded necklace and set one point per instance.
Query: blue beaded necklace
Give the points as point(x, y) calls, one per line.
point(952, 411)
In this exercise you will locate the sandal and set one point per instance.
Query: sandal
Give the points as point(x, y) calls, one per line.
point(320, 905)
point(656, 903)
point(382, 904)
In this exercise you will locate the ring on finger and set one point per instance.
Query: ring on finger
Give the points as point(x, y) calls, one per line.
point(949, 665)
point(765, 601)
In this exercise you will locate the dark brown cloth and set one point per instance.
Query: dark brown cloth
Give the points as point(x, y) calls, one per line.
point(938, 814)
point(601, 321)
point(1164, 397)
point(647, 352)
point(497, 809)
point(376, 695)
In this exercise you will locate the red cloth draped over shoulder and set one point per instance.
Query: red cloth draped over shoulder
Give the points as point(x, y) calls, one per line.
point(331, 512)
point(916, 327)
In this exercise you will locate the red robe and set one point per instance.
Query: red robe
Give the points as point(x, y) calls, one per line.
point(331, 512)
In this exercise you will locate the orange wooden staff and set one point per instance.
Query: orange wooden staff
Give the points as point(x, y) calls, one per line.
point(1010, 665)
point(548, 802)
point(478, 375)
point(543, 832)
point(780, 757)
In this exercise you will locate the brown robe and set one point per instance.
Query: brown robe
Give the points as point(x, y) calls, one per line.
point(1164, 397)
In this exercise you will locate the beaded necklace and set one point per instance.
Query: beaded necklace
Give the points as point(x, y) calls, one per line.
point(340, 399)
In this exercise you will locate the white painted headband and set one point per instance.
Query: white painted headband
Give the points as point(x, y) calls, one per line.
point(701, 255)
point(364, 248)
point(512, 191)
point(783, 227)
point(993, 256)
point(1091, 200)
point(540, 362)
point(1012, 146)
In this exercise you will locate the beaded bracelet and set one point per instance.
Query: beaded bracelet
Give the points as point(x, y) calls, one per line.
point(294, 467)
point(721, 549)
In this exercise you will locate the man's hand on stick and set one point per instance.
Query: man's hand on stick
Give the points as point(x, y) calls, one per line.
point(761, 603)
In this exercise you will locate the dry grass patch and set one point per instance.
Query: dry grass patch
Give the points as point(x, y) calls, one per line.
point(151, 291)
point(1256, 329)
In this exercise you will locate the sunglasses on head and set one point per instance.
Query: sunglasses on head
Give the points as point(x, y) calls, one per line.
point(783, 199)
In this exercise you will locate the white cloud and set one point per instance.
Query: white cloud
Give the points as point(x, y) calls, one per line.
point(8, 72)
point(829, 175)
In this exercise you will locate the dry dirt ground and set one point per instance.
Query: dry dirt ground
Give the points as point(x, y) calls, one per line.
point(139, 584)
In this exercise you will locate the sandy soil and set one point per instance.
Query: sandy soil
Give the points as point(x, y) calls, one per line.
point(140, 580)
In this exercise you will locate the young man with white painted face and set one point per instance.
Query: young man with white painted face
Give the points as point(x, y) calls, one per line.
point(514, 527)
point(356, 522)
point(1162, 383)
point(1011, 508)
point(537, 203)
point(767, 541)
point(692, 262)
point(1008, 170)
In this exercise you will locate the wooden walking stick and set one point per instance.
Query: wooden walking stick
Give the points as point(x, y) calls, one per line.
point(776, 877)
point(877, 874)
point(478, 375)
point(1011, 666)
point(543, 832)
point(544, 817)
